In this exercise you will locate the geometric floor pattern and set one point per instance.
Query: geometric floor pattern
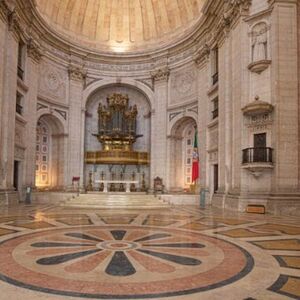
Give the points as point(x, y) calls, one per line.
point(50, 252)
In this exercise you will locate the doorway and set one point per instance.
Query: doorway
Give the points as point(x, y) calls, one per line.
point(16, 175)
point(216, 177)
point(260, 144)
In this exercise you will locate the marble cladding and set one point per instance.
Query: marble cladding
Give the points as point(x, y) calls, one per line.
point(185, 91)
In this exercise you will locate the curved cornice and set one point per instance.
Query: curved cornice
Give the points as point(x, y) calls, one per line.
point(211, 27)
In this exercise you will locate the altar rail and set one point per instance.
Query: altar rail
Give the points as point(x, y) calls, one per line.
point(117, 157)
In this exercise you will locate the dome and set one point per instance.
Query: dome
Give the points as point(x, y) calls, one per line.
point(121, 25)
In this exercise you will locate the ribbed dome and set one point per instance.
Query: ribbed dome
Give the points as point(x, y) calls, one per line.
point(121, 25)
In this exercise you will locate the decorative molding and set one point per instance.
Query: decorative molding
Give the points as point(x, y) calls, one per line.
point(161, 74)
point(259, 66)
point(62, 113)
point(40, 106)
point(174, 115)
point(147, 82)
point(257, 107)
point(194, 109)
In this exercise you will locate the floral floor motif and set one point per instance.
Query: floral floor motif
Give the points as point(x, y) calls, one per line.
point(183, 254)
point(90, 260)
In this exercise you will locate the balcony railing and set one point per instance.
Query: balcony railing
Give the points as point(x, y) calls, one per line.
point(258, 155)
point(20, 73)
point(215, 78)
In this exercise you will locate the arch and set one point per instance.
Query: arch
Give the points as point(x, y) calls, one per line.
point(55, 118)
point(50, 152)
point(180, 152)
point(91, 98)
point(99, 84)
point(181, 118)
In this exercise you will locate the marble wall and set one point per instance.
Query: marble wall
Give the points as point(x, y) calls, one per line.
point(258, 59)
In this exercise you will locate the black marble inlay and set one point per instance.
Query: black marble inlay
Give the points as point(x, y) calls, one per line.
point(83, 236)
point(153, 237)
point(55, 260)
point(118, 234)
point(177, 245)
point(63, 292)
point(120, 265)
point(279, 284)
point(181, 260)
point(58, 244)
point(283, 263)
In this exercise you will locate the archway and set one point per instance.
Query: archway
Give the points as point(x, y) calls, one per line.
point(181, 154)
point(98, 169)
point(50, 151)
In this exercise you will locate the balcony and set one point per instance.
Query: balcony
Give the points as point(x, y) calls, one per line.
point(215, 78)
point(258, 159)
point(258, 155)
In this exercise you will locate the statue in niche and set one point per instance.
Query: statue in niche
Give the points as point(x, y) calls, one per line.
point(259, 42)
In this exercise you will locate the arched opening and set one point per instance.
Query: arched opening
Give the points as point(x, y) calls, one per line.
point(97, 169)
point(49, 153)
point(181, 154)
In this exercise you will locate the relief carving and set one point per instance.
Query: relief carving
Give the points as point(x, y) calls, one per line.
point(259, 48)
point(52, 82)
point(183, 85)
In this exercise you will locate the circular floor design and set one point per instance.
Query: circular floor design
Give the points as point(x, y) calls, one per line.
point(118, 262)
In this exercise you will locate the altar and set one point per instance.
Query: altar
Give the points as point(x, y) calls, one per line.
point(116, 166)
point(127, 184)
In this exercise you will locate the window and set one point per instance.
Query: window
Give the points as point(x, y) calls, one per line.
point(21, 60)
point(215, 65)
point(215, 111)
point(19, 104)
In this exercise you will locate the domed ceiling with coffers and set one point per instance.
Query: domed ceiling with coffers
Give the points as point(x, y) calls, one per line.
point(122, 25)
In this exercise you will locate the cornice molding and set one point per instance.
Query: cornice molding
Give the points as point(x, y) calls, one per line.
point(218, 18)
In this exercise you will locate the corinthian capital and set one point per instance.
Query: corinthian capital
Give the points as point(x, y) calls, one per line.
point(34, 50)
point(161, 74)
point(202, 55)
point(235, 8)
point(76, 73)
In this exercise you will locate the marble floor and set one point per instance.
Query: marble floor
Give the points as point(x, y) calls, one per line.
point(51, 252)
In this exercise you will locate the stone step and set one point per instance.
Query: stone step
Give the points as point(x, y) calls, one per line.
point(120, 201)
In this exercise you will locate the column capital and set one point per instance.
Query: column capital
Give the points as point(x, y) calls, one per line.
point(34, 51)
point(76, 73)
point(161, 74)
point(232, 10)
point(202, 55)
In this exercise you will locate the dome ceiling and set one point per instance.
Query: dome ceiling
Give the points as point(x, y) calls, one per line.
point(121, 25)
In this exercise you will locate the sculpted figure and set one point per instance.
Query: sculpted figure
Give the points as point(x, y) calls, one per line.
point(259, 42)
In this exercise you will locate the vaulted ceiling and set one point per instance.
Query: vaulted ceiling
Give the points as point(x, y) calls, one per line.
point(121, 25)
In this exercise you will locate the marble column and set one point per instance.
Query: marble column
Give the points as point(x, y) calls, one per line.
point(32, 70)
point(159, 126)
point(76, 125)
point(9, 88)
point(285, 94)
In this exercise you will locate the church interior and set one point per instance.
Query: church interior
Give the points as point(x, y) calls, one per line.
point(150, 149)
